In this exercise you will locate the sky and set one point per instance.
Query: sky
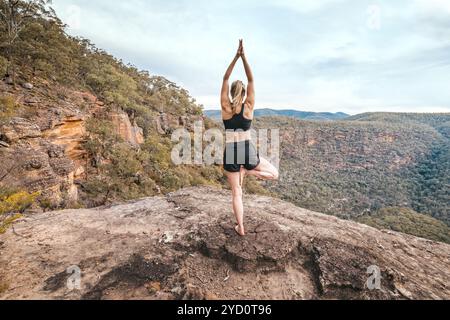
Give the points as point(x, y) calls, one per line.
point(313, 55)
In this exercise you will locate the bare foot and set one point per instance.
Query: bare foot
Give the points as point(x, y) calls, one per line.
point(240, 231)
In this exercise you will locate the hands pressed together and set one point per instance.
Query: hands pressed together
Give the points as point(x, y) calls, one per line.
point(241, 52)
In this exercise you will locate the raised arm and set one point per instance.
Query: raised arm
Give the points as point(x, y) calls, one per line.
point(224, 96)
point(251, 84)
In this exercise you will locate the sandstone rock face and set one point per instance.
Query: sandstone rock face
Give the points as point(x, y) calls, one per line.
point(42, 148)
point(184, 246)
point(42, 151)
point(129, 132)
point(33, 163)
point(166, 123)
point(69, 134)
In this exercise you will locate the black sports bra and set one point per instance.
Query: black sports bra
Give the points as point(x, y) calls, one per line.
point(238, 122)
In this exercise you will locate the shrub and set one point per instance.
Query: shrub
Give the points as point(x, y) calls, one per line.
point(211, 173)
point(8, 107)
point(408, 221)
point(252, 186)
point(12, 204)
point(102, 137)
point(115, 86)
point(3, 66)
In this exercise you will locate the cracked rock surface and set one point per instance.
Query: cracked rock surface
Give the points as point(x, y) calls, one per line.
point(183, 246)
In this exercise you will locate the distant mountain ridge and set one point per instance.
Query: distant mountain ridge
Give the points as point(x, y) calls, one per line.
point(303, 115)
point(434, 120)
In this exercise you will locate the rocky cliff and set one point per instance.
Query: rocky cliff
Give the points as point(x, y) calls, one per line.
point(129, 132)
point(184, 246)
point(42, 145)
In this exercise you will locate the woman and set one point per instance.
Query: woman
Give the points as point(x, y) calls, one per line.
point(241, 158)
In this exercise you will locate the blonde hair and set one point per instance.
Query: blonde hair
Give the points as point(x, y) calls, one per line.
point(237, 94)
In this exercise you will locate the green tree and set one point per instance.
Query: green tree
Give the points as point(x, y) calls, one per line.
point(14, 17)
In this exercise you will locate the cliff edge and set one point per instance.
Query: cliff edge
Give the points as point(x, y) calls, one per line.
point(183, 246)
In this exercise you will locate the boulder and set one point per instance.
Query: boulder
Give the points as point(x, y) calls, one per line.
point(27, 85)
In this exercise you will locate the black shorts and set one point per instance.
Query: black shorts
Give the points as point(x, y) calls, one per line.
point(240, 154)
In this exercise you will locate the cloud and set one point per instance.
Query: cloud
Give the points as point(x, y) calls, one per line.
point(440, 7)
point(317, 55)
point(303, 6)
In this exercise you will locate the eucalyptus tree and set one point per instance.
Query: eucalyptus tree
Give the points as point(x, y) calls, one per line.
point(14, 17)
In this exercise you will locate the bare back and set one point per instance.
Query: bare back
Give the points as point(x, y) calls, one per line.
point(227, 111)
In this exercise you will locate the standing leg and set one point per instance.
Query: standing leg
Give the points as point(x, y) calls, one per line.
point(243, 173)
point(238, 206)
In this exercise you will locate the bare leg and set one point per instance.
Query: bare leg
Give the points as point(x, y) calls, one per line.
point(265, 171)
point(238, 206)
point(242, 176)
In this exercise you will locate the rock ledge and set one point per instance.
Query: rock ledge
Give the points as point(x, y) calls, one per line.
point(183, 246)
